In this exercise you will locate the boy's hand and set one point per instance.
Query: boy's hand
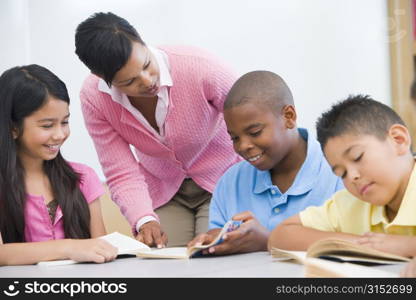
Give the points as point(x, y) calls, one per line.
point(152, 235)
point(410, 269)
point(204, 238)
point(396, 244)
point(91, 250)
point(249, 237)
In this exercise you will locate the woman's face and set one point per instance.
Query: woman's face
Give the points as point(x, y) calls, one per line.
point(140, 76)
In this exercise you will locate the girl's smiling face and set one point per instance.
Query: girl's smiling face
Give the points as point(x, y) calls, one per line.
point(44, 131)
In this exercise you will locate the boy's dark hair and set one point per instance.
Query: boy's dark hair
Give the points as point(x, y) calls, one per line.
point(357, 114)
point(103, 42)
point(260, 87)
point(24, 90)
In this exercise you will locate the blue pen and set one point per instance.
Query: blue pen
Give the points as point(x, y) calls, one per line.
point(228, 227)
point(234, 225)
point(231, 227)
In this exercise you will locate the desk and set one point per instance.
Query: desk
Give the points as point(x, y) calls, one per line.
point(257, 264)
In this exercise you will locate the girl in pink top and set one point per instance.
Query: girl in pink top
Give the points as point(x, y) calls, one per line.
point(49, 208)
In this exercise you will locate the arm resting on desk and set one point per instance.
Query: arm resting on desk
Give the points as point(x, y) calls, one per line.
point(292, 235)
point(94, 250)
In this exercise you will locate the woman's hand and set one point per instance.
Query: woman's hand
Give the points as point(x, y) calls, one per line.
point(152, 235)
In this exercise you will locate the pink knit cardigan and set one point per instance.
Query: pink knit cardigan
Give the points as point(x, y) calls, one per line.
point(196, 141)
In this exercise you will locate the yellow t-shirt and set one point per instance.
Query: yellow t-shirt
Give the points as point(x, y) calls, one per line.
point(345, 213)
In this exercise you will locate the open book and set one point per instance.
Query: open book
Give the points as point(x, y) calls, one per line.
point(341, 251)
point(184, 252)
point(316, 267)
point(339, 258)
point(128, 246)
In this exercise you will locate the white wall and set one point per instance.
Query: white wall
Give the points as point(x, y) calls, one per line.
point(324, 49)
point(14, 33)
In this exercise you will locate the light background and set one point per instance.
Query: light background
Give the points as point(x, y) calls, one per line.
point(324, 49)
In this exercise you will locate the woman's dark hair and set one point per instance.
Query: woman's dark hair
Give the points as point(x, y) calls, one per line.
point(103, 42)
point(23, 90)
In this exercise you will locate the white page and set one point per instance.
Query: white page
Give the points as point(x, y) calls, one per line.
point(125, 244)
point(348, 269)
point(183, 252)
point(171, 252)
point(281, 254)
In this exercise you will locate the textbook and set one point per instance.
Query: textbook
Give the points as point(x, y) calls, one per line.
point(341, 251)
point(316, 267)
point(340, 258)
point(128, 247)
point(184, 252)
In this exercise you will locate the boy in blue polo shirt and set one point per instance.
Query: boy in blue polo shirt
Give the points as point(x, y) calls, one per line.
point(284, 169)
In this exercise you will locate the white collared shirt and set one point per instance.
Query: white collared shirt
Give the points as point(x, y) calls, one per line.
point(161, 106)
point(162, 101)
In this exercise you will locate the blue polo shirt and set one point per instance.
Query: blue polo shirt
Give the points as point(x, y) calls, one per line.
point(244, 187)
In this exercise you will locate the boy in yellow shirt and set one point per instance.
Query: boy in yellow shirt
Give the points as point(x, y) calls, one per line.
point(368, 145)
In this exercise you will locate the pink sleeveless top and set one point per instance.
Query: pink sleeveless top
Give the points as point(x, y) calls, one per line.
point(38, 224)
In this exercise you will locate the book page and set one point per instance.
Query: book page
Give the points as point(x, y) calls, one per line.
point(315, 267)
point(281, 254)
point(364, 260)
point(170, 252)
point(335, 247)
point(125, 244)
point(183, 252)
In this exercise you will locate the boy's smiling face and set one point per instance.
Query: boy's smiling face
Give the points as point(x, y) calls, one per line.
point(373, 170)
point(258, 135)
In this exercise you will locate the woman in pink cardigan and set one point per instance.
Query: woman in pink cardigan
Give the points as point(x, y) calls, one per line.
point(155, 116)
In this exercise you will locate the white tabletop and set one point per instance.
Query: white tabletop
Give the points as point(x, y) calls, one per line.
point(257, 265)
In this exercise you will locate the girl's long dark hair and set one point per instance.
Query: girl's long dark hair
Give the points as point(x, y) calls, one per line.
point(23, 90)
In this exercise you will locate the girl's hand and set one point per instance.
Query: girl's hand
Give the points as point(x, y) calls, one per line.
point(90, 250)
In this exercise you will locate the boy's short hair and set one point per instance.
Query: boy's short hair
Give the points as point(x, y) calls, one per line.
point(260, 87)
point(103, 42)
point(358, 114)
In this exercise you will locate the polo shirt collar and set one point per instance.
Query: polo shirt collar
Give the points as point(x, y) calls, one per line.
point(406, 214)
point(306, 177)
point(263, 181)
point(378, 215)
